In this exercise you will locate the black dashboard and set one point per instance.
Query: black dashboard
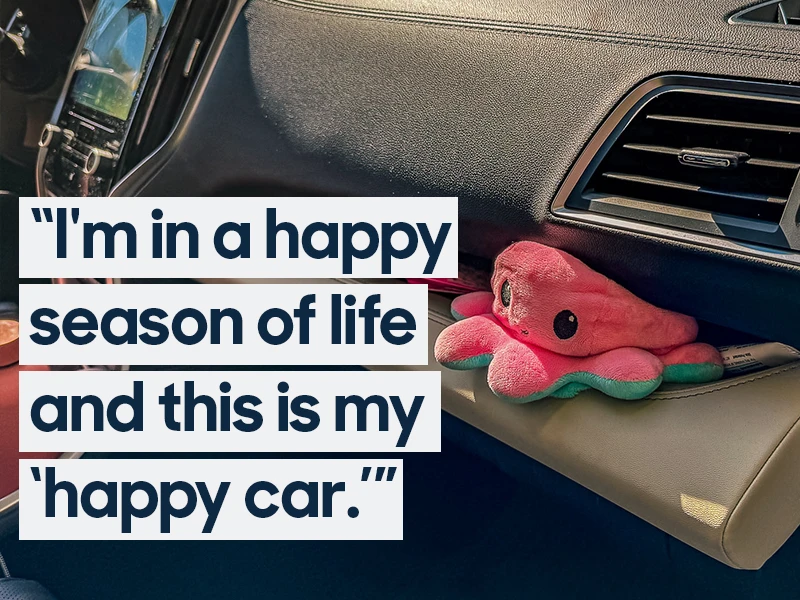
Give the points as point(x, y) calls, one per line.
point(496, 102)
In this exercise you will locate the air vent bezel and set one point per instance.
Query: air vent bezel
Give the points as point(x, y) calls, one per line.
point(774, 242)
point(752, 15)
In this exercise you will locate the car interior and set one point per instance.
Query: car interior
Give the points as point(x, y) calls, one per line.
point(658, 142)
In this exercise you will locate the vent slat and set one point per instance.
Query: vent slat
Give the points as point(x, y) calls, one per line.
point(759, 162)
point(652, 148)
point(724, 123)
point(777, 164)
point(724, 161)
point(598, 201)
point(688, 187)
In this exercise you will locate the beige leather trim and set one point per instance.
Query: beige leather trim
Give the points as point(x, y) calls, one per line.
point(763, 519)
point(714, 465)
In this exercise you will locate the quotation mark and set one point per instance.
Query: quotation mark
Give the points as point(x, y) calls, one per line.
point(352, 512)
point(61, 225)
point(36, 475)
point(48, 214)
point(379, 471)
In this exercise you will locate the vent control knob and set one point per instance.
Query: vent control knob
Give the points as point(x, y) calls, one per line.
point(50, 133)
point(99, 162)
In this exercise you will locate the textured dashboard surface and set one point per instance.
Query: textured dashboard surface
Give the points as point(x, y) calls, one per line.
point(668, 24)
point(489, 100)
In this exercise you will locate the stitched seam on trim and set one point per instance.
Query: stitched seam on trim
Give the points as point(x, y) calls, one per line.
point(710, 390)
point(588, 37)
point(749, 487)
point(331, 7)
point(622, 38)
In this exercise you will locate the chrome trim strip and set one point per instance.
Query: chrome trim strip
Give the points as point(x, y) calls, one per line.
point(739, 18)
point(89, 121)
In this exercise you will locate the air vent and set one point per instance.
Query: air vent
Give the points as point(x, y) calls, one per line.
point(714, 161)
point(775, 12)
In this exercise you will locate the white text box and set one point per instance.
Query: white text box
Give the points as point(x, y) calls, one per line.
point(407, 404)
point(45, 308)
point(350, 237)
point(283, 505)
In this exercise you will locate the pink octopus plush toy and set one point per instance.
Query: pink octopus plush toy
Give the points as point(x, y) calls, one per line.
point(554, 327)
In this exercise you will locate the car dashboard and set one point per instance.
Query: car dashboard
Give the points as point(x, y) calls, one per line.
point(656, 141)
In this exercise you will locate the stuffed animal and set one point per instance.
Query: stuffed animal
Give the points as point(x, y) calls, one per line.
point(554, 327)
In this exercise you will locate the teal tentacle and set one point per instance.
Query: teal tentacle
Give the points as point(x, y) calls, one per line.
point(473, 362)
point(693, 373)
point(570, 385)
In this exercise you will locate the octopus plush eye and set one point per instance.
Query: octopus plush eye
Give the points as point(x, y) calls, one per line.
point(505, 293)
point(565, 325)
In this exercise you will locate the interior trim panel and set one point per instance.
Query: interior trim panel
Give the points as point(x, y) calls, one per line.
point(714, 465)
